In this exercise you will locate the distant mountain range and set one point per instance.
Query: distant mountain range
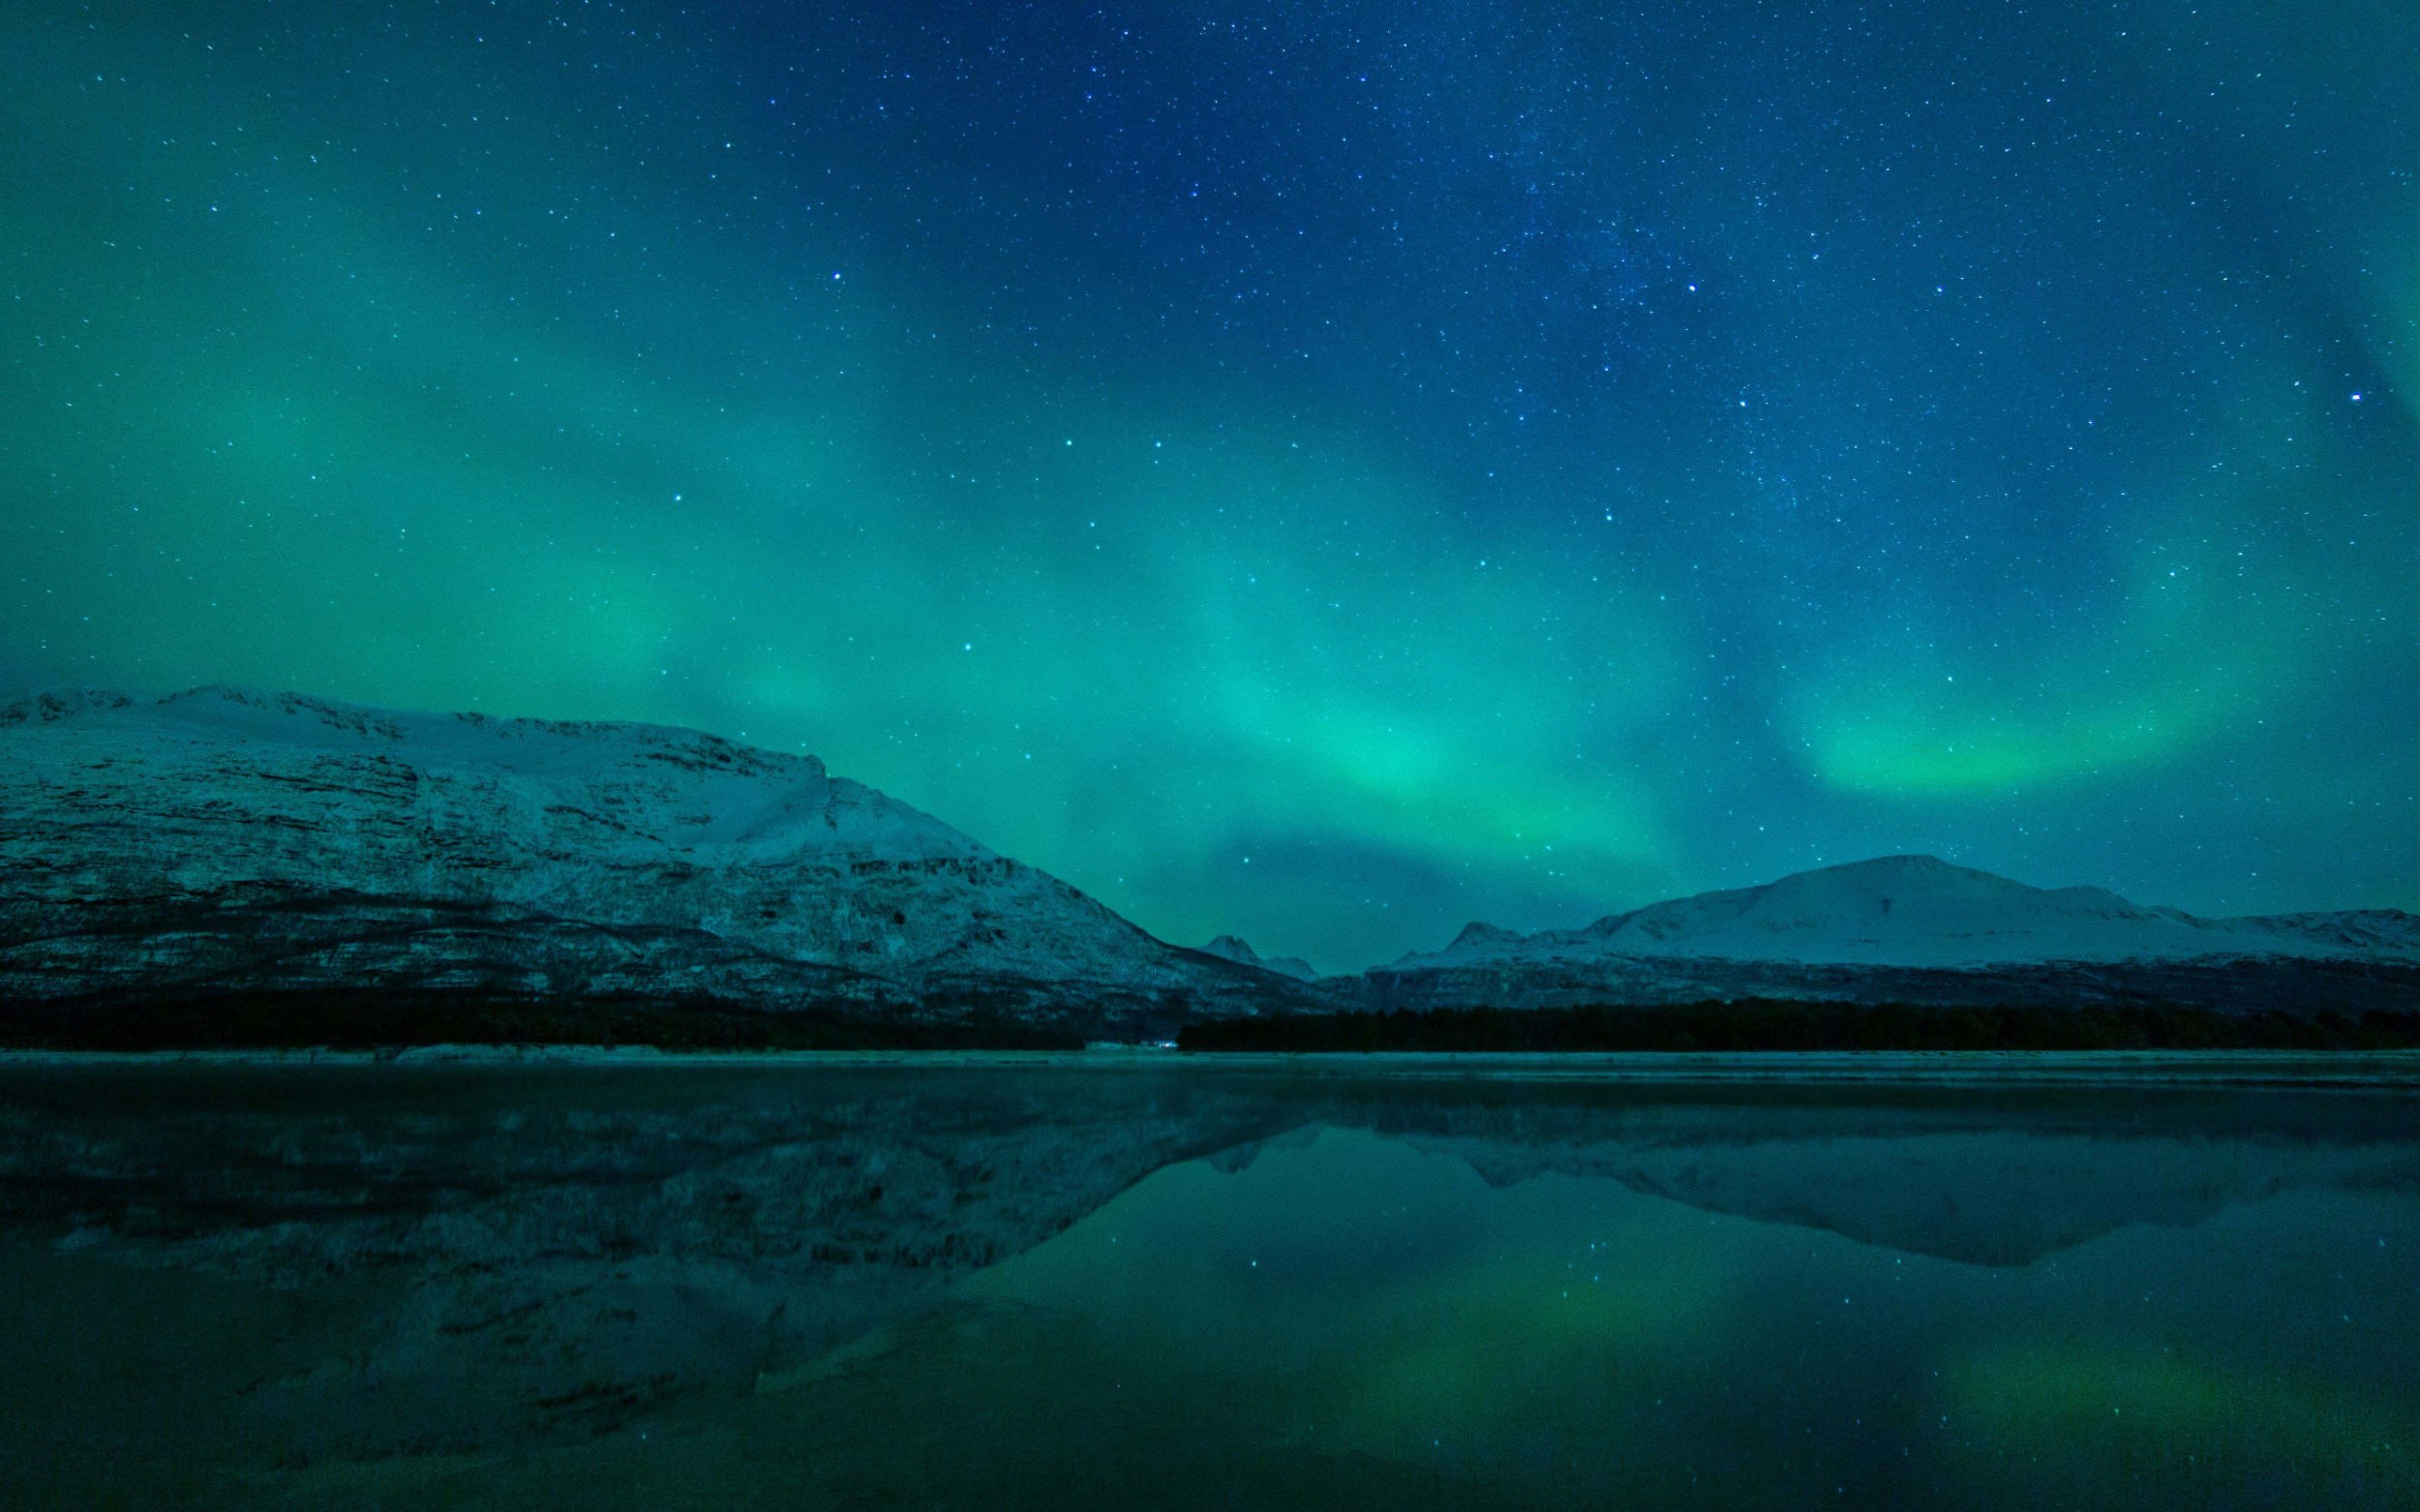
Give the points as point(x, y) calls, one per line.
point(1920, 911)
point(223, 846)
point(1915, 928)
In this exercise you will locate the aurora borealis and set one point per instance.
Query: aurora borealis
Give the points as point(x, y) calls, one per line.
point(1324, 471)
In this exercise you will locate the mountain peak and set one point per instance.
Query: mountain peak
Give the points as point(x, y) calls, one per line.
point(1913, 872)
point(1479, 935)
point(1231, 947)
point(1912, 864)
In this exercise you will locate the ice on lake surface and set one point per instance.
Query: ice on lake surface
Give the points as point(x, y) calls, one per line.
point(1138, 1281)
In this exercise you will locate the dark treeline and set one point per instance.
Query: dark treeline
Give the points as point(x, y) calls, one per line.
point(399, 1020)
point(396, 1020)
point(1771, 1024)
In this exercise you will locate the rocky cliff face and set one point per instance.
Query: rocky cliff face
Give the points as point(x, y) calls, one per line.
point(222, 842)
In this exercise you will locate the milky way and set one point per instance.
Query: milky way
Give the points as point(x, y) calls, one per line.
point(1323, 471)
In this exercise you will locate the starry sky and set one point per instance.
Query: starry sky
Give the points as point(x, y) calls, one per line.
point(1322, 471)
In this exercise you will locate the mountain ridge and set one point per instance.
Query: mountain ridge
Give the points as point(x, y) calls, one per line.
point(1920, 911)
point(226, 841)
point(1917, 929)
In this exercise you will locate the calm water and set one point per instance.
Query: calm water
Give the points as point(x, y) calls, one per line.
point(1128, 1283)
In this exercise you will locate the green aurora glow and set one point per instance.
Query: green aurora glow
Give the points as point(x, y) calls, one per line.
point(1325, 473)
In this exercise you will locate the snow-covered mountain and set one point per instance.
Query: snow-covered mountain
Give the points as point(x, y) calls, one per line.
point(226, 842)
point(1921, 911)
point(1919, 928)
point(1230, 946)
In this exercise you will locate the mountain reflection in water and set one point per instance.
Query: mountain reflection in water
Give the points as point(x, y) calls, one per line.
point(1170, 1282)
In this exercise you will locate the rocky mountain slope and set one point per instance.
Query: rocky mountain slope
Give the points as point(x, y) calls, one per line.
point(1915, 928)
point(223, 843)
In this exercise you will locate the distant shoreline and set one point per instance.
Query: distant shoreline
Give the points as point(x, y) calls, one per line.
point(2389, 1071)
point(1769, 1024)
point(421, 1024)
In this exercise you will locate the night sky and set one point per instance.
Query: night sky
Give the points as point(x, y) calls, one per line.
point(1326, 471)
